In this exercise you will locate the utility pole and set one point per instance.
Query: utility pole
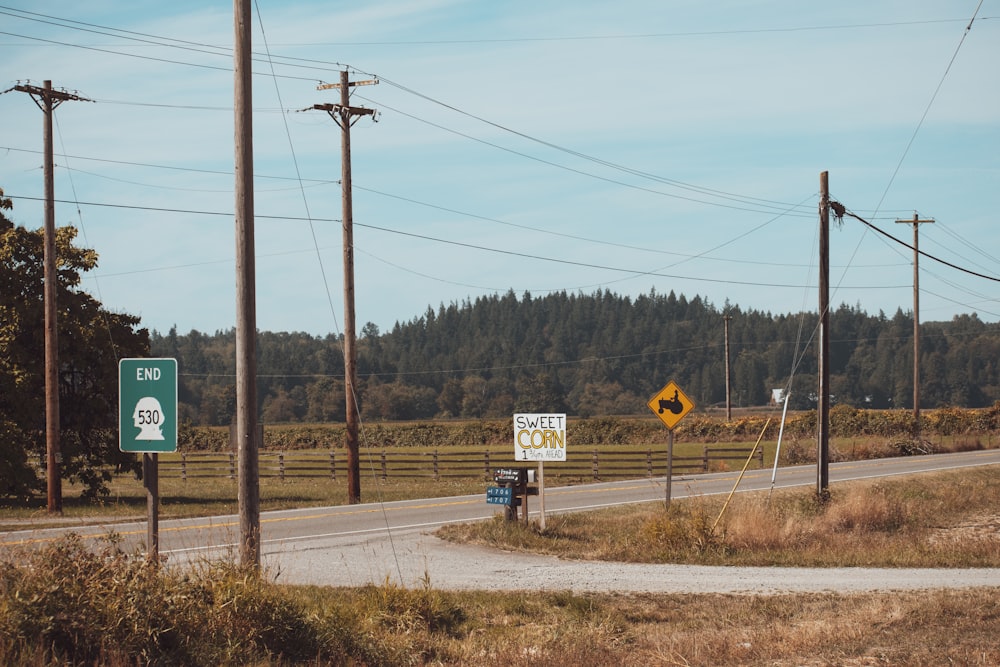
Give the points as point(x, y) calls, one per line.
point(47, 100)
point(246, 298)
point(729, 403)
point(823, 407)
point(345, 116)
point(916, 222)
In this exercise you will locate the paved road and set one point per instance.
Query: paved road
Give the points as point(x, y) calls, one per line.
point(375, 543)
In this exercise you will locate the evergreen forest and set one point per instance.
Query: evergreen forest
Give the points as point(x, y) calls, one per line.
point(589, 355)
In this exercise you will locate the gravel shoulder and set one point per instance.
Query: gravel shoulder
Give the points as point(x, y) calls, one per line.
point(417, 559)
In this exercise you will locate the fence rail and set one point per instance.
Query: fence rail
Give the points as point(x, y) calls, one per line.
point(593, 464)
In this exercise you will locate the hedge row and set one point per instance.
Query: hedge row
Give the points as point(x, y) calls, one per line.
point(845, 421)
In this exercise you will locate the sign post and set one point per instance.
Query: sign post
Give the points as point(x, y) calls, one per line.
point(147, 425)
point(670, 404)
point(540, 437)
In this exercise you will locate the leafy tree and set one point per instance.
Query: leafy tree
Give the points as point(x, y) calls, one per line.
point(540, 393)
point(327, 401)
point(91, 341)
point(449, 401)
point(474, 396)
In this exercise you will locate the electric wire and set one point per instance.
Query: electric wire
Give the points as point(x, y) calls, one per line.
point(83, 230)
point(426, 237)
point(930, 103)
point(175, 188)
point(164, 209)
point(968, 244)
point(194, 170)
point(577, 237)
point(681, 185)
point(317, 182)
point(917, 250)
point(703, 254)
point(635, 36)
point(597, 266)
point(158, 40)
point(925, 238)
point(761, 208)
point(215, 50)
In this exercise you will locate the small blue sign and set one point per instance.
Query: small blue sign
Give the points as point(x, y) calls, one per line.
point(499, 495)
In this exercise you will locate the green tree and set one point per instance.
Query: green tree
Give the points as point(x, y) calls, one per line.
point(450, 399)
point(326, 400)
point(91, 341)
point(540, 393)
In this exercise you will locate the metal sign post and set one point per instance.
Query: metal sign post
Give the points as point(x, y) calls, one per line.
point(147, 425)
point(670, 404)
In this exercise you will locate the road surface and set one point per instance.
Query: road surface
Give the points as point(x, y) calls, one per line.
point(354, 545)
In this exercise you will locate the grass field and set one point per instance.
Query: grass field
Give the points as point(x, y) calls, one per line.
point(69, 605)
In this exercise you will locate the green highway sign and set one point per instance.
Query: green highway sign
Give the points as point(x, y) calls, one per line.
point(147, 405)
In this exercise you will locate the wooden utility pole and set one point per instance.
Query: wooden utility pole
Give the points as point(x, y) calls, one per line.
point(729, 403)
point(823, 406)
point(916, 222)
point(345, 115)
point(47, 100)
point(246, 299)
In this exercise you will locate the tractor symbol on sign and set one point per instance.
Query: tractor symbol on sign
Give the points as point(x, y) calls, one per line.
point(673, 404)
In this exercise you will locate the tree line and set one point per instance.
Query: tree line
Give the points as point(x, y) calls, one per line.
point(588, 355)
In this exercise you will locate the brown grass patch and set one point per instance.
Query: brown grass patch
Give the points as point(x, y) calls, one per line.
point(919, 521)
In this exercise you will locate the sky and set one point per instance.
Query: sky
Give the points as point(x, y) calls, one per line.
point(636, 146)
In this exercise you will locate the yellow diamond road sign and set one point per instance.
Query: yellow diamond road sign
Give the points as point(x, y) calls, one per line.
point(670, 405)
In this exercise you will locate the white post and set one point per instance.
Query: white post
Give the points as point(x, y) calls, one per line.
point(541, 494)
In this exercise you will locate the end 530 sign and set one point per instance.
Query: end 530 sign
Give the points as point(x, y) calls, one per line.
point(147, 405)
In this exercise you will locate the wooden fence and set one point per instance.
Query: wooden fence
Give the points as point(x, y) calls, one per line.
point(593, 465)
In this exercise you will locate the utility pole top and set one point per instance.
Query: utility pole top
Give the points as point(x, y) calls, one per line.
point(48, 94)
point(341, 109)
point(915, 220)
point(343, 113)
point(351, 84)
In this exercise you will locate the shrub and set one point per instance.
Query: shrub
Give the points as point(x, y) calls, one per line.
point(77, 605)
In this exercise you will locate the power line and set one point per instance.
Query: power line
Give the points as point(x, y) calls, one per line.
point(383, 194)
point(599, 266)
point(454, 243)
point(634, 36)
point(745, 200)
point(120, 32)
point(195, 170)
point(577, 237)
point(159, 209)
point(841, 211)
point(583, 156)
point(763, 205)
point(968, 244)
point(579, 171)
point(930, 103)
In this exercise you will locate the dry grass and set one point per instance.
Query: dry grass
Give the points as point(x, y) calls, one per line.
point(227, 618)
point(937, 520)
point(66, 604)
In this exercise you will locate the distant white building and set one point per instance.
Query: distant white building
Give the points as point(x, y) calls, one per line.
point(777, 396)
